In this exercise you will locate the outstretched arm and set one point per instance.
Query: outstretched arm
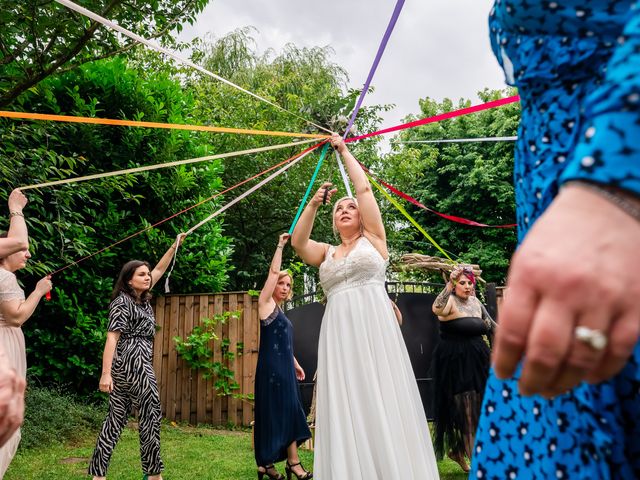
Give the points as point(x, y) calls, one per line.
point(311, 252)
point(17, 236)
point(369, 210)
point(266, 303)
point(16, 312)
point(163, 263)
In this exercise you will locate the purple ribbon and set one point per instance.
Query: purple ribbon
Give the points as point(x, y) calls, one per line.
point(383, 44)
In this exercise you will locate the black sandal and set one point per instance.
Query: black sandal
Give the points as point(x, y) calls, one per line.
point(271, 475)
point(305, 476)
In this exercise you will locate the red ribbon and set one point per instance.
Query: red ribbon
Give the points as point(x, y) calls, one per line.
point(452, 218)
point(425, 121)
point(442, 116)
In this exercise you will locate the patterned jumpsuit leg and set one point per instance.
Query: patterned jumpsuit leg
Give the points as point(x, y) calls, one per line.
point(134, 386)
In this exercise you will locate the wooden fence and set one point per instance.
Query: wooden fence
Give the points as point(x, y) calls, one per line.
point(185, 395)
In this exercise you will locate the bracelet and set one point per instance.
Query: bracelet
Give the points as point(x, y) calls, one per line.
point(15, 214)
point(280, 246)
point(618, 197)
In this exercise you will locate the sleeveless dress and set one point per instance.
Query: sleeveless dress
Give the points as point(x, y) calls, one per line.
point(279, 415)
point(460, 368)
point(12, 341)
point(370, 423)
point(577, 67)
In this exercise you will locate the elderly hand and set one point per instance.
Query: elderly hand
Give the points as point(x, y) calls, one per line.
point(44, 285)
point(11, 401)
point(17, 201)
point(578, 266)
point(319, 196)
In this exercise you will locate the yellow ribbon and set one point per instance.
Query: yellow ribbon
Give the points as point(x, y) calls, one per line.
point(132, 123)
point(396, 204)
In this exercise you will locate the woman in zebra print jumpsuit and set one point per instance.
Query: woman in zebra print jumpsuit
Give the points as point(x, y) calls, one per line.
point(127, 371)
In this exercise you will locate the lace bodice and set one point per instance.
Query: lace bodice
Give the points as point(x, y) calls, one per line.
point(362, 266)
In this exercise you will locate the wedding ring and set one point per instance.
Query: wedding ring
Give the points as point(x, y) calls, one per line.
point(594, 338)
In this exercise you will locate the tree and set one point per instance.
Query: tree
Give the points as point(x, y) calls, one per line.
point(39, 38)
point(65, 337)
point(471, 180)
point(302, 80)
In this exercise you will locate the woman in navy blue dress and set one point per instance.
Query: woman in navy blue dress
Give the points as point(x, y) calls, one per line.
point(280, 423)
point(571, 313)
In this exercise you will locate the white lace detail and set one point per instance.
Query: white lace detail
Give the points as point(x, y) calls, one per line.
point(9, 288)
point(362, 266)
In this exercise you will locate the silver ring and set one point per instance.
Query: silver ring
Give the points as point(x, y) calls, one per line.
point(592, 337)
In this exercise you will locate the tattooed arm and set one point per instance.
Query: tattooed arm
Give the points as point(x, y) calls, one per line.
point(443, 305)
point(490, 322)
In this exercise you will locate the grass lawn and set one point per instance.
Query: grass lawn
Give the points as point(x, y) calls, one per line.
point(188, 453)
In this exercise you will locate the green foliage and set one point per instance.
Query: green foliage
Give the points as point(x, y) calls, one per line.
point(39, 38)
point(302, 80)
point(197, 351)
point(65, 337)
point(471, 180)
point(53, 416)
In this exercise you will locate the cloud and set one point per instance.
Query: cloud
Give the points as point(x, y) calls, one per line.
point(438, 49)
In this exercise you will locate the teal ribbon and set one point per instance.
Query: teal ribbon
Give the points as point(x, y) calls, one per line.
point(306, 195)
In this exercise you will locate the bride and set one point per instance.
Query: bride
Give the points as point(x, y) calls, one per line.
point(370, 423)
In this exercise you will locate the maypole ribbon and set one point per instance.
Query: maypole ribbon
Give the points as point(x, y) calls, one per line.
point(165, 165)
point(169, 53)
point(86, 257)
point(395, 203)
point(169, 126)
point(248, 192)
point(438, 118)
point(460, 140)
point(306, 194)
point(453, 218)
point(383, 44)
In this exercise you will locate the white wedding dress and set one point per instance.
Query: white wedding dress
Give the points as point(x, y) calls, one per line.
point(370, 423)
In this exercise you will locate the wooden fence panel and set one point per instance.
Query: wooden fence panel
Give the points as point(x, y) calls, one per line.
point(185, 395)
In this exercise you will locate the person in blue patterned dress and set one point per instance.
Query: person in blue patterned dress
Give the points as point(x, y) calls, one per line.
point(563, 400)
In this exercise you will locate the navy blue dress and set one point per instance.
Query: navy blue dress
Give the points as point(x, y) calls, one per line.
point(576, 64)
point(279, 416)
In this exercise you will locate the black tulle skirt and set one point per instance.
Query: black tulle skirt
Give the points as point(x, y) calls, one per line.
point(460, 368)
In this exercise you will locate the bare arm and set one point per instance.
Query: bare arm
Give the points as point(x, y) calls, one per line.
point(311, 252)
point(369, 210)
point(490, 322)
point(16, 312)
point(266, 304)
point(163, 263)
point(106, 382)
point(443, 304)
point(300, 375)
point(17, 236)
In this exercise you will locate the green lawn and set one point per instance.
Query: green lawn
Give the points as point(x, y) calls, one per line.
point(188, 454)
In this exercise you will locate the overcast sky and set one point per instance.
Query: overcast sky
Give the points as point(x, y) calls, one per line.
point(439, 48)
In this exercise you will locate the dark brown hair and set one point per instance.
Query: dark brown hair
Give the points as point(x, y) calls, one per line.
point(126, 274)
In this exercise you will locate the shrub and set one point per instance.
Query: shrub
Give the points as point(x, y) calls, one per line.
point(54, 416)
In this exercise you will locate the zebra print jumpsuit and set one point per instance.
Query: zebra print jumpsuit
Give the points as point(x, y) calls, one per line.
point(134, 385)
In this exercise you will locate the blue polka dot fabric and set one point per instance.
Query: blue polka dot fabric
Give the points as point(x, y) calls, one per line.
point(577, 68)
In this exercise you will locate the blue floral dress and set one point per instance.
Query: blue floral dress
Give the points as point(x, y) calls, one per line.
point(577, 67)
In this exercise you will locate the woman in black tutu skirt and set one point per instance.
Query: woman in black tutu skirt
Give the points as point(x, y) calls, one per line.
point(460, 365)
